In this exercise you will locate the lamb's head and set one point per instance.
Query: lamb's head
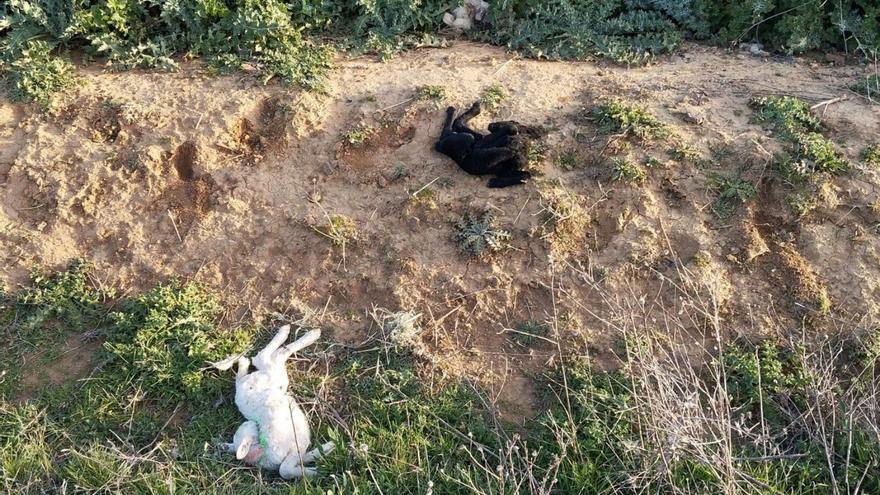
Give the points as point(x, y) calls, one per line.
point(480, 8)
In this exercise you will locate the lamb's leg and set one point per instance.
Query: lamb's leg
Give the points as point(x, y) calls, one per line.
point(293, 467)
point(263, 360)
point(447, 124)
point(225, 363)
point(461, 123)
point(244, 365)
point(316, 453)
point(299, 344)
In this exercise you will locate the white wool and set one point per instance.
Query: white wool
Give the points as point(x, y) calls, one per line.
point(463, 17)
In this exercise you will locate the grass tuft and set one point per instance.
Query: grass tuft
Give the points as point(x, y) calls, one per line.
point(871, 155)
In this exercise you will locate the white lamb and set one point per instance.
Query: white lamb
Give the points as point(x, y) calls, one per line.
point(465, 16)
point(276, 434)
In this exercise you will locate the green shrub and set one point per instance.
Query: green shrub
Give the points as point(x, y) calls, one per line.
point(132, 34)
point(35, 74)
point(274, 35)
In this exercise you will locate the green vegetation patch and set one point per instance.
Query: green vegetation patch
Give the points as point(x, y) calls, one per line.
point(871, 155)
point(793, 121)
point(432, 93)
point(478, 236)
point(628, 171)
point(731, 192)
point(619, 117)
point(796, 419)
point(493, 96)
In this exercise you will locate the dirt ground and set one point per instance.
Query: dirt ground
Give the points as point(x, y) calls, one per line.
point(223, 180)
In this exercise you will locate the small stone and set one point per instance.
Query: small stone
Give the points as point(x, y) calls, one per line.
point(328, 168)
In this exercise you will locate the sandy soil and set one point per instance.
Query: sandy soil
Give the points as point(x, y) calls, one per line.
point(223, 180)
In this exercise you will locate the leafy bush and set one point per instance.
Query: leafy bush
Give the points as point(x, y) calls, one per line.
point(35, 74)
point(131, 34)
point(274, 35)
point(795, 26)
point(630, 32)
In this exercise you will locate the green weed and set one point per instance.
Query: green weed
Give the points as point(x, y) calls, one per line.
point(425, 198)
point(493, 96)
point(801, 203)
point(130, 35)
point(359, 134)
point(399, 172)
point(731, 192)
point(684, 152)
point(793, 419)
point(340, 229)
point(792, 119)
point(619, 117)
point(35, 74)
point(567, 160)
point(537, 153)
point(627, 171)
point(477, 235)
point(432, 93)
point(871, 155)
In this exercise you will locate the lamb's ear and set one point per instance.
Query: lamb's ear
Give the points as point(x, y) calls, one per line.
point(449, 20)
point(243, 448)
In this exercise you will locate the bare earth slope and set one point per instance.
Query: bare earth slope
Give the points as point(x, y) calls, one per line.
point(223, 180)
